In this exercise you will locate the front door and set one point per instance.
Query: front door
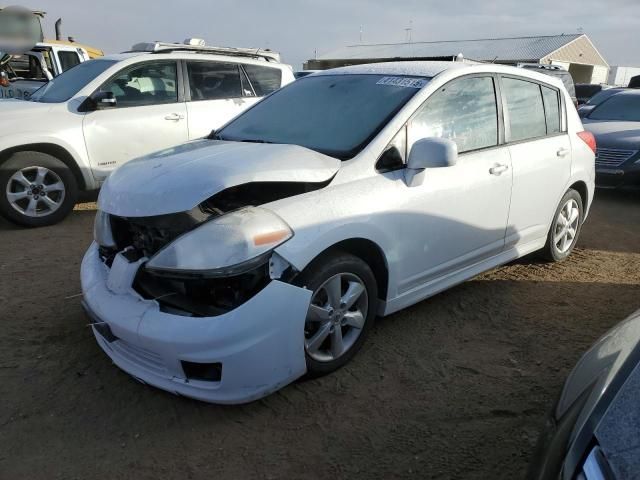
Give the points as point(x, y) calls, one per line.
point(148, 116)
point(457, 217)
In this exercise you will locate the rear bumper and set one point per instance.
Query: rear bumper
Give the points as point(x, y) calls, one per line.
point(259, 344)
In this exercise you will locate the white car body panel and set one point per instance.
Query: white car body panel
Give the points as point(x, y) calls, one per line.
point(460, 221)
point(207, 115)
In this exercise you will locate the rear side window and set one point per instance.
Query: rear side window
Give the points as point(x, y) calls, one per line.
point(68, 60)
point(551, 101)
point(265, 80)
point(526, 111)
point(464, 111)
point(214, 80)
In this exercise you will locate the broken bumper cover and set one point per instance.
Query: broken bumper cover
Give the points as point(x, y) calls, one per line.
point(260, 344)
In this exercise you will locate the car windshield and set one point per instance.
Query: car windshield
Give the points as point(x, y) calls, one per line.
point(624, 108)
point(66, 85)
point(602, 95)
point(337, 115)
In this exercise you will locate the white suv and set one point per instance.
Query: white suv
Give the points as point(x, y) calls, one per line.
point(105, 112)
point(225, 268)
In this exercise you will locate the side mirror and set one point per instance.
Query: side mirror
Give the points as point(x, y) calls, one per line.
point(426, 153)
point(104, 99)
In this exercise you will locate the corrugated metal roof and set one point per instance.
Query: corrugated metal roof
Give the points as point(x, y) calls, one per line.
point(488, 49)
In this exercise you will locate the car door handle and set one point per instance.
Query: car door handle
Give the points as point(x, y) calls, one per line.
point(498, 169)
point(563, 152)
point(174, 117)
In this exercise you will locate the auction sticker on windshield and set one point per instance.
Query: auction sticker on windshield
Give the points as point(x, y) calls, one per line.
point(403, 82)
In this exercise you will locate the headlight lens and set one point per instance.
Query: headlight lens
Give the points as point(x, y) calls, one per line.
point(232, 243)
point(102, 230)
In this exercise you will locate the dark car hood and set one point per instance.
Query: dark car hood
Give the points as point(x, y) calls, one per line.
point(180, 178)
point(614, 134)
point(588, 392)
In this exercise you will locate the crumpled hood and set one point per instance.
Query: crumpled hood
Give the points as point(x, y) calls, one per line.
point(613, 134)
point(180, 178)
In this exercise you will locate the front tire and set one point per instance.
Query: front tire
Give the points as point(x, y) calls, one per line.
point(342, 311)
point(565, 229)
point(36, 189)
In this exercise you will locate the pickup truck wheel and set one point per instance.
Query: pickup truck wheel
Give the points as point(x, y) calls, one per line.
point(36, 189)
point(342, 311)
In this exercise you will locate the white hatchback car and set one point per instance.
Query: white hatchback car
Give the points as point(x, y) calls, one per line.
point(104, 112)
point(226, 268)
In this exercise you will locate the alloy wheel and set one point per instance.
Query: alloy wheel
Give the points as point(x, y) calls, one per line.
point(336, 317)
point(566, 226)
point(35, 191)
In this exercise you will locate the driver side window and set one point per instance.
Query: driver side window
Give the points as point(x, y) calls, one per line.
point(464, 111)
point(147, 84)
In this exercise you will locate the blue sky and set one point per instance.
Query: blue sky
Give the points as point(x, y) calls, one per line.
point(298, 28)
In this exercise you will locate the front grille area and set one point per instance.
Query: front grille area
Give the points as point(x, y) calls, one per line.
point(200, 297)
point(613, 157)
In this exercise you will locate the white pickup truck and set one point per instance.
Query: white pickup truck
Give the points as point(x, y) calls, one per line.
point(26, 73)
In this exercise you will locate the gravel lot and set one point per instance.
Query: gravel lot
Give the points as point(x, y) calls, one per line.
point(455, 387)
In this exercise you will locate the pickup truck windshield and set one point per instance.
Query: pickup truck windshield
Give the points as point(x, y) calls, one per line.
point(337, 115)
point(66, 85)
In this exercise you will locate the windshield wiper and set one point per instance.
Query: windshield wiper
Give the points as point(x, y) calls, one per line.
point(253, 140)
point(216, 136)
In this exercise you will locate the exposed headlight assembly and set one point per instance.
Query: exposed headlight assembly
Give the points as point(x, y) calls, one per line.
point(102, 230)
point(228, 245)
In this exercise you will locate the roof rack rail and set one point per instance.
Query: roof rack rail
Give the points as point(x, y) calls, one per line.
point(197, 46)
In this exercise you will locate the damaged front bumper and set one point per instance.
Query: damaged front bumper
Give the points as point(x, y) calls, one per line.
point(257, 348)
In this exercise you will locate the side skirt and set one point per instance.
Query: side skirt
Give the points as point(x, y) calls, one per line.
point(438, 285)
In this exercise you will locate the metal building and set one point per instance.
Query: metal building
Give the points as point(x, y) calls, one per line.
point(574, 52)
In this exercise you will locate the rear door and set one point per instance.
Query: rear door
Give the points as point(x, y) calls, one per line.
point(540, 150)
point(216, 93)
point(149, 115)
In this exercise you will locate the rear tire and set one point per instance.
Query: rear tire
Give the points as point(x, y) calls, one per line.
point(565, 228)
point(342, 311)
point(36, 189)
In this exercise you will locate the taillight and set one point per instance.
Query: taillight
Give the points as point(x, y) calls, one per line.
point(589, 139)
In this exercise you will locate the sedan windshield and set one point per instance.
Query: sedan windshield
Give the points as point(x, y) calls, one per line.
point(623, 108)
point(337, 115)
point(602, 95)
point(66, 85)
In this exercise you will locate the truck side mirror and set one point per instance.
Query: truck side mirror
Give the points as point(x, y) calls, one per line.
point(432, 152)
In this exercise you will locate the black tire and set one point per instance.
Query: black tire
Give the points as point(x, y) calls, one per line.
point(314, 276)
point(551, 252)
point(27, 159)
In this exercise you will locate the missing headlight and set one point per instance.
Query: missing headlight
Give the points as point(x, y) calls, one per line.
point(201, 297)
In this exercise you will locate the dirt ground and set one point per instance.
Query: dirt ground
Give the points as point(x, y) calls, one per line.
point(455, 387)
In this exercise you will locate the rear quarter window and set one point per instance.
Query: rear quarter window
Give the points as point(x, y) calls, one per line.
point(264, 80)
